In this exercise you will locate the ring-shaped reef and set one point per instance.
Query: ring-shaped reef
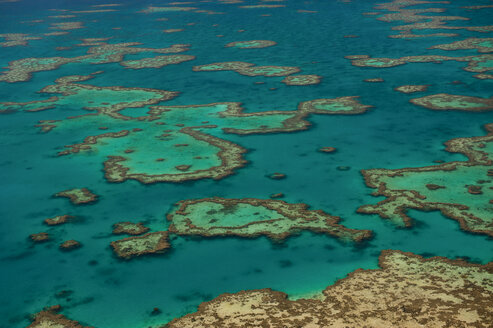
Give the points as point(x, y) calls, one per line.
point(251, 217)
point(444, 101)
point(460, 190)
point(169, 143)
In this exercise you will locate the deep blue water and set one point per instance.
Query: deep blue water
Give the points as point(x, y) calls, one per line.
point(113, 293)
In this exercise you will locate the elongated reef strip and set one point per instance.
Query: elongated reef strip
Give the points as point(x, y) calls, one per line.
point(251, 217)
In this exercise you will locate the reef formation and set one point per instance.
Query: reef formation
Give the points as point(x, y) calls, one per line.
point(251, 44)
point(250, 217)
point(49, 318)
point(302, 79)
point(150, 243)
point(464, 192)
point(21, 70)
point(169, 143)
point(411, 88)
point(248, 69)
point(129, 228)
point(451, 293)
point(78, 196)
point(443, 101)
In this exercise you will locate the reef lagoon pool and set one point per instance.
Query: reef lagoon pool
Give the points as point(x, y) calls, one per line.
point(246, 163)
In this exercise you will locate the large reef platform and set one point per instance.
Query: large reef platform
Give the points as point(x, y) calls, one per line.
point(461, 190)
point(408, 291)
point(251, 217)
point(168, 143)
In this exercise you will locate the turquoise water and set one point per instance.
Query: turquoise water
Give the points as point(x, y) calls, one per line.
point(108, 292)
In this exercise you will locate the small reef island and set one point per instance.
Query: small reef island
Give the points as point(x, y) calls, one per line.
point(246, 163)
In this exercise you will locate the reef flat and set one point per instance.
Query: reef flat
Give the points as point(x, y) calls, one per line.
point(363, 298)
point(78, 196)
point(454, 102)
point(21, 70)
point(462, 191)
point(129, 228)
point(251, 44)
point(455, 292)
point(150, 243)
point(190, 133)
point(248, 69)
point(251, 218)
point(49, 318)
point(475, 64)
point(233, 163)
point(302, 79)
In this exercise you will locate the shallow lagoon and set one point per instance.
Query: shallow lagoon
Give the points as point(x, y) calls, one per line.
point(393, 134)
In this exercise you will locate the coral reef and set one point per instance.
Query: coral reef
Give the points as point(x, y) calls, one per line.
point(250, 217)
point(407, 291)
point(78, 196)
point(150, 243)
point(409, 188)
